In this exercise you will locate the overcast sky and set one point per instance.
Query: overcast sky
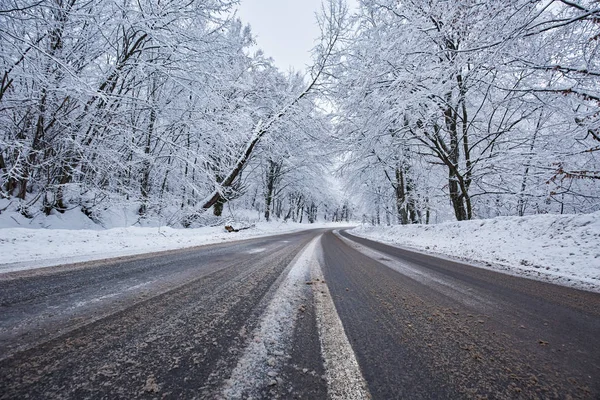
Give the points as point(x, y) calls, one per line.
point(285, 29)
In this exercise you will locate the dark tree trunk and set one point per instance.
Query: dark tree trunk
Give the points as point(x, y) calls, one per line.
point(405, 202)
point(272, 175)
point(455, 185)
point(218, 207)
point(145, 181)
point(400, 196)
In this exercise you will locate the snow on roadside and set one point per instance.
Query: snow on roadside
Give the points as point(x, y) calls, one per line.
point(563, 249)
point(22, 248)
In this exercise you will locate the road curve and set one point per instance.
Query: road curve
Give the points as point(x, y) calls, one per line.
point(315, 315)
point(424, 327)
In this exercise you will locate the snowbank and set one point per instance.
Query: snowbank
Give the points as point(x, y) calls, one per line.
point(563, 249)
point(23, 248)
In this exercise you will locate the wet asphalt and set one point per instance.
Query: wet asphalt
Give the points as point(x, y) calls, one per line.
point(175, 324)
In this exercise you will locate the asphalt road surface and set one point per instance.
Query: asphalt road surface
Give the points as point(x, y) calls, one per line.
point(314, 315)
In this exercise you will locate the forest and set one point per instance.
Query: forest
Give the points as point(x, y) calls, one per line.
point(414, 111)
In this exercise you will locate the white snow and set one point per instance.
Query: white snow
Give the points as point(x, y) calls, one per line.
point(24, 248)
point(563, 249)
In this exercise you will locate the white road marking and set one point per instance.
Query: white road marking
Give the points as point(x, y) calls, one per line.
point(344, 379)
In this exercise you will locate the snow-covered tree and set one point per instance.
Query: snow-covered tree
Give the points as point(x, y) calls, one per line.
point(474, 92)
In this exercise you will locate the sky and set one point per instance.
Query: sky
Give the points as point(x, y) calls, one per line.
point(285, 30)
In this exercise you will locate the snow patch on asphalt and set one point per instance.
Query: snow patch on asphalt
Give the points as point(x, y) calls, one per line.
point(119, 292)
point(344, 379)
point(256, 251)
point(562, 249)
point(262, 359)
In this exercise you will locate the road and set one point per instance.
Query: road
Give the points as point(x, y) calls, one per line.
point(316, 314)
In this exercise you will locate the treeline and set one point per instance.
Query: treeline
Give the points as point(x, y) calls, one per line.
point(460, 110)
point(471, 109)
point(157, 105)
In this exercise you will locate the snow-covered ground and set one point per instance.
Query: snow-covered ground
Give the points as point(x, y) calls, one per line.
point(563, 249)
point(26, 248)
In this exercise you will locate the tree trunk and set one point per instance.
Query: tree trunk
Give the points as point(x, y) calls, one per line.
point(271, 178)
point(521, 203)
point(454, 186)
point(400, 196)
point(145, 181)
point(218, 207)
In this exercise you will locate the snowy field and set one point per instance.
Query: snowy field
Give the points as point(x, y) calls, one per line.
point(563, 249)
point(51, 243)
